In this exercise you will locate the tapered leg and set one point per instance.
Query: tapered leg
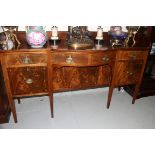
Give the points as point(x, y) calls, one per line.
point(135, 94)
point(15, 114)
point(51, 104)
point(8, 89)
point(119, 88)
point(109, 96)
point(13, 110)
point(18, 99)
point(133, 100)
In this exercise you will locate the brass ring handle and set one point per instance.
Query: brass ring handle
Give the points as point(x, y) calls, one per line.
point(29, 81)
point(105, 58)
point(69, 60)
point(133, 56)
point(130, 73)
point(26, 60)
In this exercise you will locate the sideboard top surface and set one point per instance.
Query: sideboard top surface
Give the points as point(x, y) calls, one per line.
point(62, 45)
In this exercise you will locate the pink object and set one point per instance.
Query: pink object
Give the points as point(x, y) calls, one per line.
point(36, 36)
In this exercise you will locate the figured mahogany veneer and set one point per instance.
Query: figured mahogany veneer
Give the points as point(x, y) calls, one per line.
point(25, 58)
point(82, 69)
point(26, 73)
point(131, 55)
point(29, 72)
point(68, 58)
point(74, 78)
point(28, 80)
point(103, 57)
point(127, 72)
point(128, 69)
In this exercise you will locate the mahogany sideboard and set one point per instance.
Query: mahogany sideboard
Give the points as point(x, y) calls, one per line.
point(32, 72)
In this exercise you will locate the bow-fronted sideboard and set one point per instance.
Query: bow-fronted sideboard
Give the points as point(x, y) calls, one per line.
point(34, 72)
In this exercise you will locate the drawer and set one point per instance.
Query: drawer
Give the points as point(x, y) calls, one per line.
point(131, 55)
point(25, 58)
point(127, 73)
point(28, 80)
point(102, 58)
point(70, 59)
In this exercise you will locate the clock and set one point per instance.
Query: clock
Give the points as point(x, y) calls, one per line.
point(36, 36)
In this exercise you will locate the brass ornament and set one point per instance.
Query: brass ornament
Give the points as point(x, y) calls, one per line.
point(132, 31)
point(9, 37)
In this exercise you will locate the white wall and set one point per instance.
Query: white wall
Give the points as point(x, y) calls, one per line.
point(65, 28)
point(1, 29)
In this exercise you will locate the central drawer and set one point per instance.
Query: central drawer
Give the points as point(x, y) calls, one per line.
point(68, 59)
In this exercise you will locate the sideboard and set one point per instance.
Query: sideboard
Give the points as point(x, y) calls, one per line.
point(32, 72)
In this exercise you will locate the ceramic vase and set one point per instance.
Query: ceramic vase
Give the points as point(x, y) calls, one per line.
point(36, 36)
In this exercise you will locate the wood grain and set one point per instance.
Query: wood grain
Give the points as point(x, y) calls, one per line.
point(29, 72)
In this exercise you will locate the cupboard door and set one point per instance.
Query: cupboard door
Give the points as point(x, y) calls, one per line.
point(127, 72)
point(28, 80)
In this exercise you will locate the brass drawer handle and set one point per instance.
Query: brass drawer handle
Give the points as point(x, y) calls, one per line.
point(105, 58)
point(129, 73)
point(133, 56)
point(26, 60)
point(29, 81)
point(69, 60)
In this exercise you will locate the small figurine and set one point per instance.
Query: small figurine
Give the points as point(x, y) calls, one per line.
point(79, 37)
